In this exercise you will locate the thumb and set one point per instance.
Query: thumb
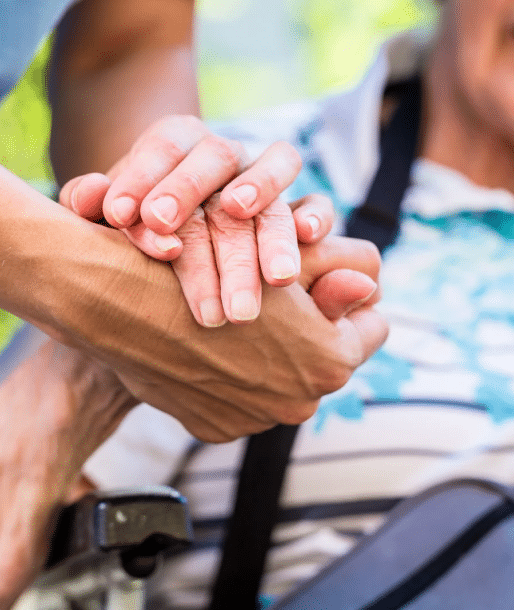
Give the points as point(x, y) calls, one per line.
point(341, 291)
point(84, 195)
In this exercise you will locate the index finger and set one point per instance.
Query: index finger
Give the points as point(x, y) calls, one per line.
point(262, 183)
point(153, 157)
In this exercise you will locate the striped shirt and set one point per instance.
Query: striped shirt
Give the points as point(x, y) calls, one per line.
point(435, 403)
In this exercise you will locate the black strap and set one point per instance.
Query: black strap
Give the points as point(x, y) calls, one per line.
point(260, 479)
point(255, 513)
point(377, 219)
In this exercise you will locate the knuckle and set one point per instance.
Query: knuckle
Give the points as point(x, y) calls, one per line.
point(241, 262)
point(212, 207)
point(353, 358)
point(190, 120)
point(292, 155)
point(160, 126)
point(337, 370)
point(278, 207)
point(338, 375)
point(229, 152)
point(171, 150)
point(191, 186)
point(181, 130)
point(284, 163)
point(143, 173)
point(171, 121)
point(199, 212)
point(236, 236)
point(274, 183)
point(194, 229)
point(276, 226)
point(239, 149)
point(189, 123)
point(298, 413)
point(278, 237)
point(373, 253)
point(225, 227)
point(322, 202)
point(197, 271)
point(276, 215)
point(152, 160)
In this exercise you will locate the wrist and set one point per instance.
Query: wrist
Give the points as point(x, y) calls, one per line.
point(92, 401)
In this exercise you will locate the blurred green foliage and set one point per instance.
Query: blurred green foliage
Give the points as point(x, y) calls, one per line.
point(325, 44)
point(25, 123)
point(341, 37)
point(24, 130)
point(252, 53)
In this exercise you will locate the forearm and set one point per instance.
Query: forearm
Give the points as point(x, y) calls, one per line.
point(62, 405)
point(29, 227)
point(55, 409)
point(73, 279)
point(113, 80)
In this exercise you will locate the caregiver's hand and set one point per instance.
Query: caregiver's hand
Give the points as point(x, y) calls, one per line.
point(87, 286)
point(155, 194)
point(59, 405)
point(294, 353)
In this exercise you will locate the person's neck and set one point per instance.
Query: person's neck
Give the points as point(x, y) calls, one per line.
point(454, 136)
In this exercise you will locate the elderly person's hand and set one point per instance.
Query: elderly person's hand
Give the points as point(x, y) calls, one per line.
point(154, 194)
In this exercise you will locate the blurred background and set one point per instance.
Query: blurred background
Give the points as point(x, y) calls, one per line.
point(256, 52)
point(251, 53)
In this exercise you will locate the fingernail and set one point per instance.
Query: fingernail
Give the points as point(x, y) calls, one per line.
point(356, 304)
point(244, 306)
point(122, 209)
point(165, 209)
point(211, 311)
point(283, 267)
point(315, 224)
point(244, 196)
point(165, 243)
point(73, 198)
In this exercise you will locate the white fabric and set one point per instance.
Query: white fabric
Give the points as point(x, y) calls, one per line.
point(415, 414)
point(147, 446)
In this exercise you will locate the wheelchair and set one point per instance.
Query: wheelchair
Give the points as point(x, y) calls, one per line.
point(104, 548)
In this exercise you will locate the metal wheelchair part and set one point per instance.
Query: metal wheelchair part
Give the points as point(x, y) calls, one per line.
point(106, 544)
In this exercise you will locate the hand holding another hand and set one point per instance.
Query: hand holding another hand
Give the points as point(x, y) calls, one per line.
point(154, 194)
point(218, 268)
point(60, 404)
point(128, 311)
